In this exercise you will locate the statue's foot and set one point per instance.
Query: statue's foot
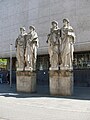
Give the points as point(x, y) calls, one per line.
point(28, 69)
point(66, 67)
point(20, 69)
point(53, 68)
point(31, 69)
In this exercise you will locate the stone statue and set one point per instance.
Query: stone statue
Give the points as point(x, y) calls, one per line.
point(54, 43)
point(31, 48)
point(20, 48)
point(67, 44)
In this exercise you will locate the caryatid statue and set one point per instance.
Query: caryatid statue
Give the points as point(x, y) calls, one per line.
point(54, 43)
point(67, 44)
point(31, 48)
point(20, 48)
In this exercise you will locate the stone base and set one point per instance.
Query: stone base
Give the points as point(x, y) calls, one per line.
point(26, 81)
point(61, 82)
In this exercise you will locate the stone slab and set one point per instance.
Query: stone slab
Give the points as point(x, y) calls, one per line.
point(61, 82)
point(26, 81)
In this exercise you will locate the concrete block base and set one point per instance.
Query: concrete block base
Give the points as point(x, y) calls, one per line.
point(26, 81)
point(61, 82)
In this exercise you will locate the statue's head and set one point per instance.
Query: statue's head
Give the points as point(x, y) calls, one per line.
point(31, 28)
point(65, 21)
point(54, 24)
point(22, 30)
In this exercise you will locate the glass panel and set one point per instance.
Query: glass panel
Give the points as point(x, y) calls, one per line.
point(42, 62)
point(82, 60)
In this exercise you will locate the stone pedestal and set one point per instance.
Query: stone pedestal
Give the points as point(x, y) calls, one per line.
point(61, 82)
point(26, 81)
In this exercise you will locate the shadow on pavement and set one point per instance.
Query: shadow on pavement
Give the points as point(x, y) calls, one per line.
point(80, 93)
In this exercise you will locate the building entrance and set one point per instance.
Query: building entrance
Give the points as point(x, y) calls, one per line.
point(42, 73)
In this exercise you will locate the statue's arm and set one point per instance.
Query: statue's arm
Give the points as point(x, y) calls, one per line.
point(16, 42)
point(72, 34)
point(48, 38)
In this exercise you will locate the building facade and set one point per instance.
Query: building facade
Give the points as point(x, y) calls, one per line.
point(17, 13)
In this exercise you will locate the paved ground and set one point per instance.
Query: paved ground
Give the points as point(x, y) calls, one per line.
point(41, 106)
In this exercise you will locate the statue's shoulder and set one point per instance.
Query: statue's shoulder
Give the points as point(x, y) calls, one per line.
point(52, 31)
point(70, 28)
point(25, 34)
point(19, 36)
point(35, 36)
point(71, 32)
point(35, 33)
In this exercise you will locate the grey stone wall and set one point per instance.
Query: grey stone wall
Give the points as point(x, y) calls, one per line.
point(17, 13)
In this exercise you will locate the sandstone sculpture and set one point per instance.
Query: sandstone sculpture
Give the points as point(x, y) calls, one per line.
point(31, 48)
point(54, 43)
point(20, 48)
point(67, 44)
